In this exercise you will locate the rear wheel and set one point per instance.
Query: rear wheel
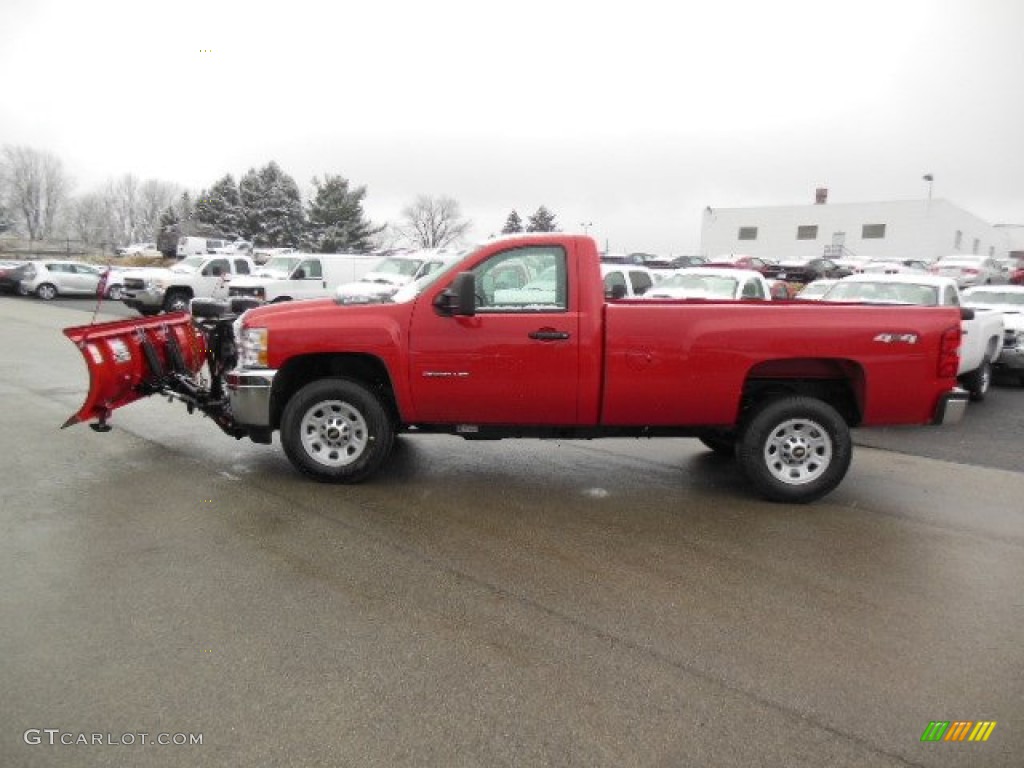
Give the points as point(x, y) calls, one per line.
point(46, 292)
point(978, 381)
point(795, 449)
point(336, 431)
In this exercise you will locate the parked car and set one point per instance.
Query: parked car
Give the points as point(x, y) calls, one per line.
point(740, 261)
point(712, 283)
point(11, 273)
point(816, 290)
point(804, 272)
point(137, 249)
point(49, 278)
point(969, 270)
point(895, 266)
point(1008, 299)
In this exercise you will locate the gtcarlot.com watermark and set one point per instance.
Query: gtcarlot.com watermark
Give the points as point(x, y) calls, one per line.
point(55, 737)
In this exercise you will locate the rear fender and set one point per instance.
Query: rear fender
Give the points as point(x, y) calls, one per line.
point(130, 359)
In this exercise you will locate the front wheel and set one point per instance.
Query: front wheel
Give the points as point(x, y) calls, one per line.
point(176, 301)
point(796, 449)
point(336, 431)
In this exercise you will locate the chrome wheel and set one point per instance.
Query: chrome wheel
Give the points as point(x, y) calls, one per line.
point(334, 433)
point(798, 451)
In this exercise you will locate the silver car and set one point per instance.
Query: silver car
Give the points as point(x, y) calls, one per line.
point(969, 270)
point(48, 279)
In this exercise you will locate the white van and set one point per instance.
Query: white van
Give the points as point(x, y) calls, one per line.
point(198, 246)
point(302, 276)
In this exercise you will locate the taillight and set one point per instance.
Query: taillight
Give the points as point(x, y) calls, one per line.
point(949, 353)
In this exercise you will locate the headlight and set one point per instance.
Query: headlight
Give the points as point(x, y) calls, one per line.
point(252, 348)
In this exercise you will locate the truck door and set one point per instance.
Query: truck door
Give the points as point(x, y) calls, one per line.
point(307, 280)
point(516, 361)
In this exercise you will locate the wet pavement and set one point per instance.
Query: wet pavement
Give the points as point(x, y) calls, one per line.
point(618, 602)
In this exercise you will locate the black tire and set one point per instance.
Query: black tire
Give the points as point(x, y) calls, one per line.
point(209, 309)
point(176, 301)
point(336, 431)
point(147, 312)
point(721, 443)
point(47, 292)
point(978, 381)
point(795, 449)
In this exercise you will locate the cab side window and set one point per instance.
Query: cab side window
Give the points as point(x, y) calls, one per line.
point(241, 267)
point(641, 281)
point(532, 279)
point(311, 269)
point(216, 268)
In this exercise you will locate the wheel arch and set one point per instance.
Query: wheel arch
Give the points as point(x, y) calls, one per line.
point(299, 371)
point(839, 382)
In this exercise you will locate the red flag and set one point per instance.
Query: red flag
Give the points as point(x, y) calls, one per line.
point(101, 287)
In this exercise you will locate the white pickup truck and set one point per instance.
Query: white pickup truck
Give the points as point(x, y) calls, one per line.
point(171, 290)
point(982, 328)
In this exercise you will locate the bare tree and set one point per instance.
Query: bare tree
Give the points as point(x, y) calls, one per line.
point(37, 187)
point(433, 222)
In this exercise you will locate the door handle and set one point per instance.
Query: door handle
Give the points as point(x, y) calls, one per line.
point(548, 334)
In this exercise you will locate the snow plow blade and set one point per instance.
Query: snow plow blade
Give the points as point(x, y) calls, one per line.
point(131, 359)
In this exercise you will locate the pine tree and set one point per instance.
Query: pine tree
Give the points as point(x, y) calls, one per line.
point(272, 212)
point(221, 207)
point(513, 224)
point(542, 221)
point(335, 219)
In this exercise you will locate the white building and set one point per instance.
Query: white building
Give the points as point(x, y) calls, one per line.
point(922, 229)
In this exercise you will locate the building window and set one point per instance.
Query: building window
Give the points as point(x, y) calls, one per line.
point(976, 245)
point(748, 233)
point(958, 240)
point(873, 232)
point(808, 232)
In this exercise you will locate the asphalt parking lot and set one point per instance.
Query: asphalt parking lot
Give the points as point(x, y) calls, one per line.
point(619, 602)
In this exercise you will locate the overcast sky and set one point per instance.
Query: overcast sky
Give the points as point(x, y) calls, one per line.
point(632, 119)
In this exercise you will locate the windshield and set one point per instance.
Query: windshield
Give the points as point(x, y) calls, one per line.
point(995, 297)
point(393, 266)
point(191, 264)
point(700, 285)
point(885, 293)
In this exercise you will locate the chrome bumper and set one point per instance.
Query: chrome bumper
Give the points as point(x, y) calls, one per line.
point(951, 407)
point(146, 297)
point(249, 395)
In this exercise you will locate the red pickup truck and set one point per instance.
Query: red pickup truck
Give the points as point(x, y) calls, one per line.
point(518, 338)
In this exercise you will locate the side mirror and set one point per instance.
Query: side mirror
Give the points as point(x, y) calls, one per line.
point(460, 297)
point(966, 313)
point(300, 274)
point(618, 291)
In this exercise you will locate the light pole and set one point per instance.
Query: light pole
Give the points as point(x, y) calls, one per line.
point(586, 226)
point(930, 178)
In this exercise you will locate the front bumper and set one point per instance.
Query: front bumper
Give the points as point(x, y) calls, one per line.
point(951, 407)
point(150, 298)
point(249, 393)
